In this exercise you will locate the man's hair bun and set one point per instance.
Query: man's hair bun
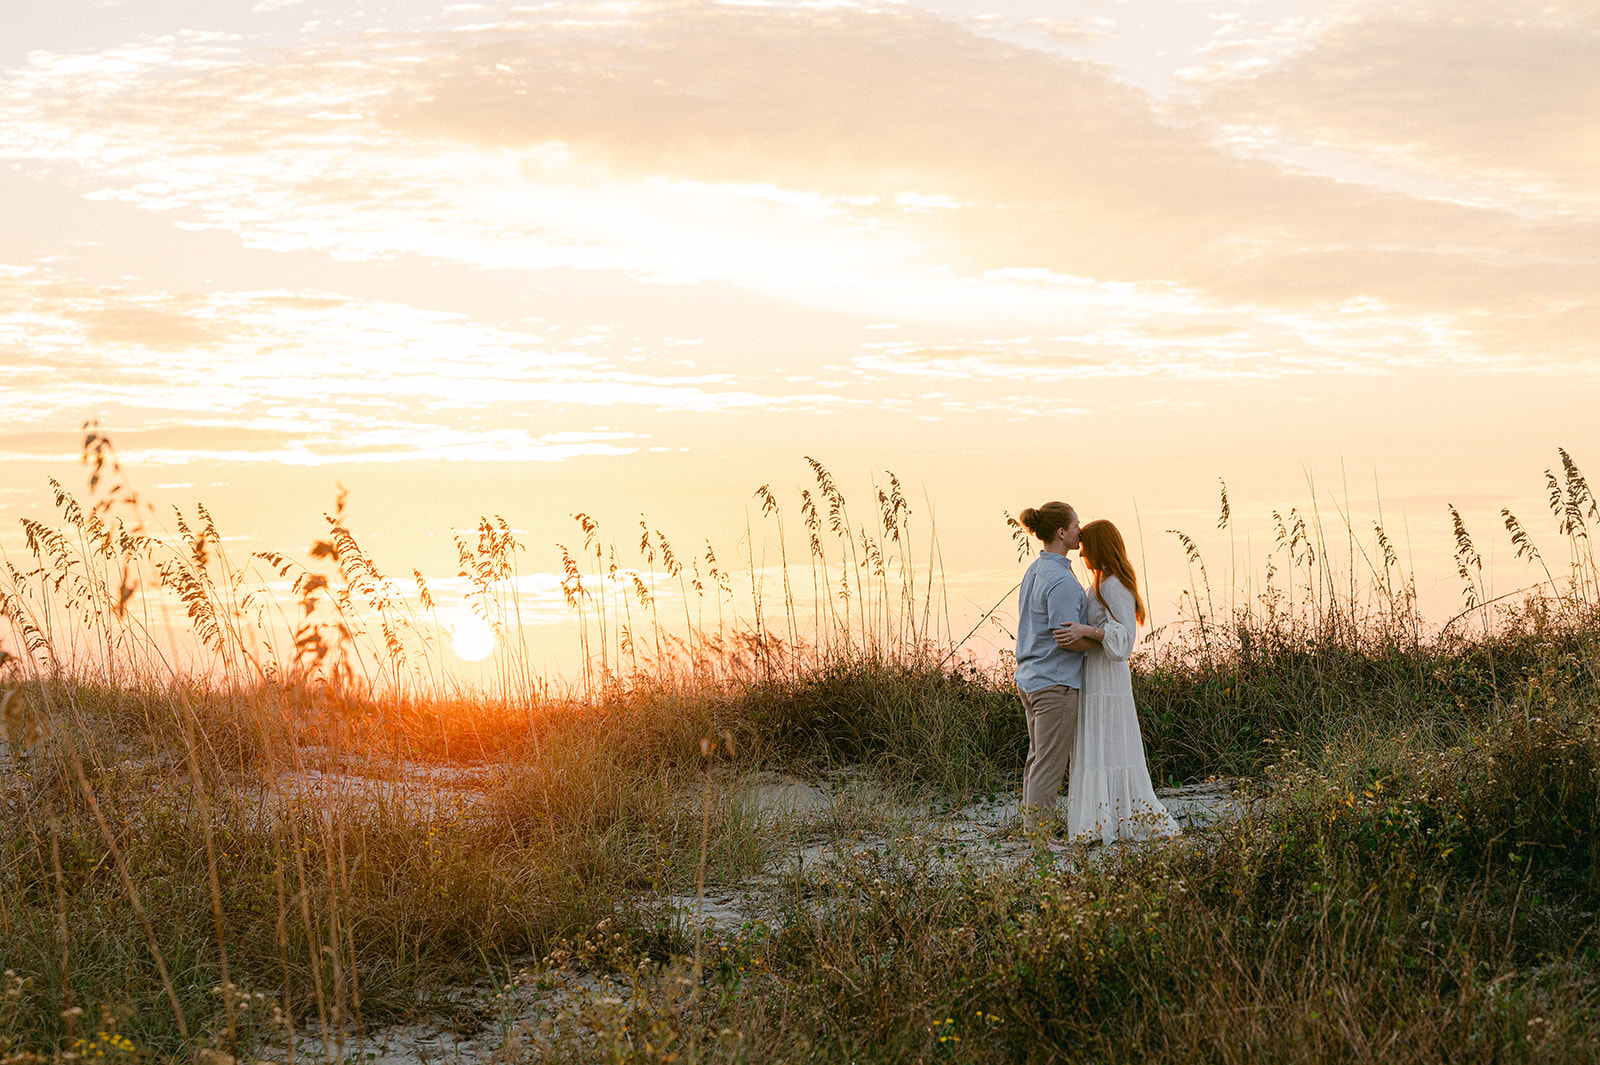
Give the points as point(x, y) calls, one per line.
point(1047, 519)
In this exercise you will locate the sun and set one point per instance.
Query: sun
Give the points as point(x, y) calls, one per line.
point(471, 637)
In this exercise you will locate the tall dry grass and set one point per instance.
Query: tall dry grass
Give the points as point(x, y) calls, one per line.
point(301, 825)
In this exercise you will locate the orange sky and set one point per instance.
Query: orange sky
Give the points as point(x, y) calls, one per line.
point(534, 259)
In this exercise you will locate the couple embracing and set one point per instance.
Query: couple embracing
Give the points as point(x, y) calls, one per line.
point(1072, 674)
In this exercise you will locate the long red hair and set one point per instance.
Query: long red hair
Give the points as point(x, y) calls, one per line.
point(1102, 550)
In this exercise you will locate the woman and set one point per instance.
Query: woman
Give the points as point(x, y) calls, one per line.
point(1109, 796)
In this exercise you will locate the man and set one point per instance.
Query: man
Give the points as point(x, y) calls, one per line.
point(1048, 676)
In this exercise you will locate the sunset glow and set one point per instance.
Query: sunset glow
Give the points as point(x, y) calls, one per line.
point(471, 637)
point(637, 258)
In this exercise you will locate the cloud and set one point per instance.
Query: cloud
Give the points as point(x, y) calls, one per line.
point(1053, 164)
point(284, 377)
point(162, 328)
point(1068, 31)
point(1496, 92)
point(878, 162)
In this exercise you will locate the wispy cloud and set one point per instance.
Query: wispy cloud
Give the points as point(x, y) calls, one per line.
point(879, 162)
point(1497, 93)
point(283, 377)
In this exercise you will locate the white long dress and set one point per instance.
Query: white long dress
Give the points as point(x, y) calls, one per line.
point(1109, 796)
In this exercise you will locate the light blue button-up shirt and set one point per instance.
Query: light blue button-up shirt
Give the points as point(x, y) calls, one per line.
point(1051, 597)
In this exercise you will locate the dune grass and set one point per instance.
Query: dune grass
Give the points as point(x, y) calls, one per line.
point(317, 834)
point(1421, 913)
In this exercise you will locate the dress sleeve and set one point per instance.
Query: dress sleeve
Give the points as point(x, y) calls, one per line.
point(1121, 626)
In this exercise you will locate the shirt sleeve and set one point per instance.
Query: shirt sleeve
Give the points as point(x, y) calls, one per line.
point(1065, 602)
point(1121, 627)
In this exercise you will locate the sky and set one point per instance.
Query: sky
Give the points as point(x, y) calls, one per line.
point(640, 258)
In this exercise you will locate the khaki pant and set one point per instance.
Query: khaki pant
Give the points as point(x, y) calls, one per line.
point(1052, 726)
